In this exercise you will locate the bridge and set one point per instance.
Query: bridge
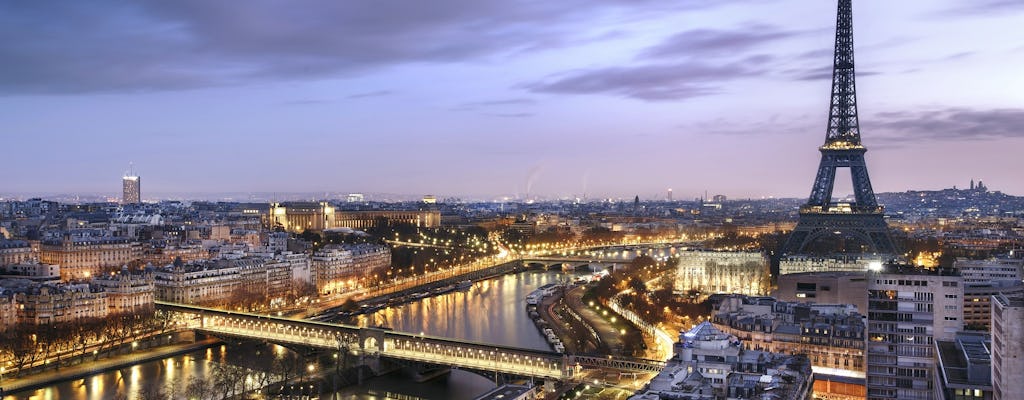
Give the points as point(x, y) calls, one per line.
point(372, 344)
point(571, 261)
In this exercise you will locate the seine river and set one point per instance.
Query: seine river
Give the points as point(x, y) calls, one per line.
point(491, 311)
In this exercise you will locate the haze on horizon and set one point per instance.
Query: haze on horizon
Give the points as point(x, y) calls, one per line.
point(462, 97)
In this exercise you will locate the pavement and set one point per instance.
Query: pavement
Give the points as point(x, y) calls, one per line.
point(47, 378)
point(573, 333)
point(608, 331)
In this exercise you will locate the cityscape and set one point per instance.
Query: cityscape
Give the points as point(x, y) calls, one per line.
point(540, 259)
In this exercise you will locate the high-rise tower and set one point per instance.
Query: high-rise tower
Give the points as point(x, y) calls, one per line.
point(131, 188)
point(863, 218)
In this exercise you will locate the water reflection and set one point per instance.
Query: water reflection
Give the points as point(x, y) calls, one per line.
point(491, 311)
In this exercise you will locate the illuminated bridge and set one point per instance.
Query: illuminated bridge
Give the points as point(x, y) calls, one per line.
point(571, 261)
point(371, 344)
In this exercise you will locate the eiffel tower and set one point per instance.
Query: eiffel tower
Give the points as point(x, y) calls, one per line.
point(821, 217)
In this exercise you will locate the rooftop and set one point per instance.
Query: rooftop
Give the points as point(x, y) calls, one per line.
point(965, 361)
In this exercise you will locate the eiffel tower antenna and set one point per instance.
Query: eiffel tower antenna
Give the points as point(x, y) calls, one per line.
point(863, 218)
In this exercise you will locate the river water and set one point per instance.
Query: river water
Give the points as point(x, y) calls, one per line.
point(492, 311)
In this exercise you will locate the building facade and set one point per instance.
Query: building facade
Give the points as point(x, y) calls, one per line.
point(367, 257)
point(989, 270)
point(838, 263)
point(978, 302)
point(208, 282)
point(83, 258)
point(1007, 347)
point(317, 216)
point(909, 309)
point(710, 272)
point(337, 268)
point(131, 189)
point(16, 252)
point(824, 288)
point(711, 364)
point(54, 304)
point(831, 336)
point(126, 291)
point(984, 279)
point(301, 216)
point(35, 272)
point(331, 266)
point(370, 219)
point(8, 309)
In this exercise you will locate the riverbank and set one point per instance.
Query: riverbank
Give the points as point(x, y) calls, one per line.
point(405, 293)
point(11, 386)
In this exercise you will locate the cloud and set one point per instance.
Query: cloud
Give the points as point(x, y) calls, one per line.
point(511, 115)
point(708, 42)
point(503, 108)
point(363, 95)
point(658, 82)
point(976, 7)
point(954, 123)
point(820, 73)
point(114, 46)
point(705, 59)
point(522, 101)
point(306, 102)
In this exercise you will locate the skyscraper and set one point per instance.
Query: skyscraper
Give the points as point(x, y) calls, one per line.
point(131, 186)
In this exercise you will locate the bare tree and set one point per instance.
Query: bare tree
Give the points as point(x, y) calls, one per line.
point(153, 391)
point(198, 389)
point(19, 345)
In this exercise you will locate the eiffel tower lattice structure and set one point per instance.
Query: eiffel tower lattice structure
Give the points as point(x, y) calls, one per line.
point(821, 217)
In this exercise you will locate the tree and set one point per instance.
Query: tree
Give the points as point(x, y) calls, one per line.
point(17, 342)
point(198, 388)
point(637, 285)
point(153, 391)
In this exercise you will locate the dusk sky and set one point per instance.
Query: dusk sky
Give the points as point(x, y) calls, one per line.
point(487, 98)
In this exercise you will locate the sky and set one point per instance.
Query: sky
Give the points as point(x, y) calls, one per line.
point(568, 98)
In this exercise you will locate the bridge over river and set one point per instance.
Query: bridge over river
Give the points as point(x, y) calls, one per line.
point(373, 344)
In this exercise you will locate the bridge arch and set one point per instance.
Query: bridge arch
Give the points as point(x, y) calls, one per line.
point(371, 340)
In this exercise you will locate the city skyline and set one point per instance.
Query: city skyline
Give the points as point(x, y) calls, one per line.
point(473, 99)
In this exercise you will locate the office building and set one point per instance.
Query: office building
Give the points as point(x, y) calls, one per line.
point(989, 270)
point(978, 302)
point(131, 189)
point(908, 309)
point(984, 279)
point(1007, 347)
